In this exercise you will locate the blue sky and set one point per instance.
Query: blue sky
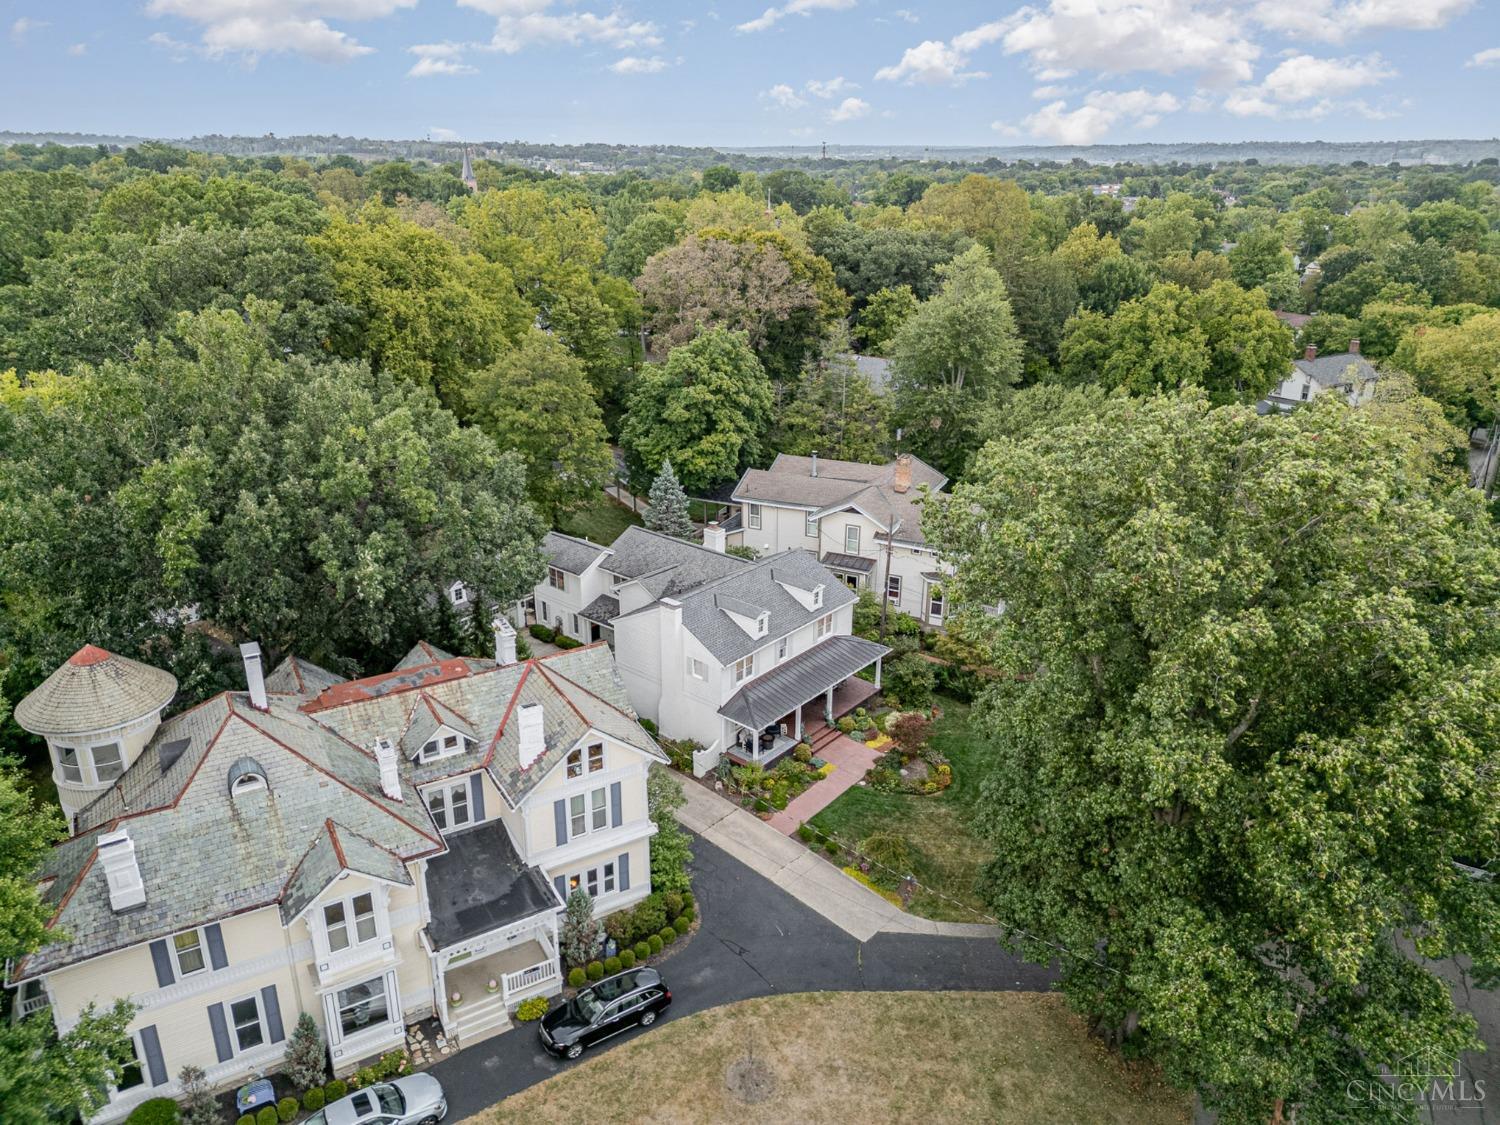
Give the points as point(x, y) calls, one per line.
point(739, 72)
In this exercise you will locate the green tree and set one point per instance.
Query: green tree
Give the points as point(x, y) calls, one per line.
point(707, 409)
point(536, 400)
point(581, 936)
point(885, 312)
point(956, 353)
point(834, 411)
point(994, 213)
point(306, 1057)
point(1260, 261)
point(720, 177)
point(1251, 727)
point(670, 851)
point(647, 234)
point(1458, 365)
point(667, 510)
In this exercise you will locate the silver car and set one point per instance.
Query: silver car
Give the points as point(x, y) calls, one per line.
point(416, 1099)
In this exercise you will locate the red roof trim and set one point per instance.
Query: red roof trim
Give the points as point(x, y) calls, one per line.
point(338, 848)
point(355, 691)
point(89, 655)
point(489, 755)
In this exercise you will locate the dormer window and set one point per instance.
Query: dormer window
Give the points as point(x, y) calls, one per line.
point(246, 776)
point(443, 745)
point(458, 593)
point(762, 623)
point(595, 760)
point(247, 783)
point(350, 922)
point(818, 597)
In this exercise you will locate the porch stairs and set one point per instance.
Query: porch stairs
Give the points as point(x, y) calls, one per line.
point(821, 738)
point(480, 1019)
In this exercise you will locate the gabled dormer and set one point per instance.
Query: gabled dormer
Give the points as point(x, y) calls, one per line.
point(755, 622)
point(809, 593)
point(436, 731)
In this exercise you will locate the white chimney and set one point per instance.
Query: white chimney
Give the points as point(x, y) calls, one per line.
point(505, 640)
point(814, 462)
point(532, 733)
point(255, 679)
point(713, 537)
point(390, 776)
point(117, 857)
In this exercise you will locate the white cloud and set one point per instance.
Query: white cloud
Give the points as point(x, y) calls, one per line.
point(1485, 58)
point(251, 28)
point(633, 64)
point(1302, 79)
point(783, 96)
point(931, 62)
point(24, 26)
point(78, 49)
point(772, 16)
point(436, 60)
point(830, 89)
point(440, 133)
point(906, 16)
point(1049, 92)
point(1101, 112)
point(1334, 22)
point(850, 109)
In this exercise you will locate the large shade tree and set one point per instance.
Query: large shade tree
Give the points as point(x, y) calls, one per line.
point(1246, 725)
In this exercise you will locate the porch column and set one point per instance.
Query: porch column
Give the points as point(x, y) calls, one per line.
point(828, 706)
point(799, 724)
point(878, 659)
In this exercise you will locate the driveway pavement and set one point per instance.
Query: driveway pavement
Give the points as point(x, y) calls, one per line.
point(755, 940)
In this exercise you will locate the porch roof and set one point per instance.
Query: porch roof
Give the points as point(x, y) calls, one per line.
point(767, 698)
point(857, 563)
point(480, 884)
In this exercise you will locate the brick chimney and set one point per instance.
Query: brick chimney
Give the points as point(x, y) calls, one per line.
point(1354, 346)
point(901, 479)
point(1311, 353)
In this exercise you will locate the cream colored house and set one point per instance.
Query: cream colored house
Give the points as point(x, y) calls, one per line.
point(864, 523)
point(370, 851)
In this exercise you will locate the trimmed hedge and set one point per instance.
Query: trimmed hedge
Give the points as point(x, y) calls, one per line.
point(642, 950)
point(267, 1115)
point(576, 978)
point(682, 924)
point(248, 1119)
point(611, 966)
point(563, 641)
point(336, 1089)
point(627, 958)
point(287, 1109)
point(314, 1099)
point(154, 1111)
point(668, 935)
point(542, 632)
point(595, 970)
point(654, 943)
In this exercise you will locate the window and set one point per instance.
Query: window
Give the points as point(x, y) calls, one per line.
point(108, 764)
point(362, 1006)
point(596, 757)
point(449, 805)
point(935, 601)
point(753, 518)
point(851, 580)
point(781, 647)
point(762, 623)
point(67, 758)
point(851, 539)
point(576, 628)
point(459, 594)
point(596, 880)
point(697, 669)
point(810, 527)
point(817, 597)
point(588, 812)
point(337, 916)
point(188, 950)
point(825, 625)
point(247, 783)
point(556, 578)
point(744, 669)
point(1306, 389)
point(440, 747)
point(575, 764)
point(893, 587)
point(132, 1074)
point(244, 1020)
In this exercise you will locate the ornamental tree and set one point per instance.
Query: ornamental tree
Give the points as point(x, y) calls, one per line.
point(668, 505)
point(1247, 725)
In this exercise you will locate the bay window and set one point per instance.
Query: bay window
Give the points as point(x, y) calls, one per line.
point(362, 1006)
point(588, 812)
point(350, 922)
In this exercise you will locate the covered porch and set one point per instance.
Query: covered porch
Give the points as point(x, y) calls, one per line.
point(771, 714)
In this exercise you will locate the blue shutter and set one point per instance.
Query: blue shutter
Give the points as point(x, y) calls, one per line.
point(615, 817)
point(560, 818)
point(163, 962)
point(156, 1066)
point(272, 1008)
point(221, 1032)
point(476, 796)
point(216, 956)
point(562, 887)
point(624, 871)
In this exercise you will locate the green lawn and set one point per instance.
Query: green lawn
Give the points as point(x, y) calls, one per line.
point(946, 856)
point(602, 521)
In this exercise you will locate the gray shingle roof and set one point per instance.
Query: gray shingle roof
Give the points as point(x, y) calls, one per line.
point(857, 563)
point(93, 690)
point(603, 609)
point(1334, 369)
point(569, 553)
point(336, 850)
point(757, 586)
point(805, 676)
point(789, 482)
point(666, 566)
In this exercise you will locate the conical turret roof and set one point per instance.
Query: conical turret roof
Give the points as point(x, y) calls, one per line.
point(95, 690)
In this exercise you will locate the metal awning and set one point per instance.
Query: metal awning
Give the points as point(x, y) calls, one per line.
point(854, 563)
point(802, 678)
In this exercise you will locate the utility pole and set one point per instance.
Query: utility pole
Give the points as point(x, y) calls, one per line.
point(885, 593)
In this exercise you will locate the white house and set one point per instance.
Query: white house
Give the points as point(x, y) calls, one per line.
point(1347, 373)
point(864, 522)
point(371, 852)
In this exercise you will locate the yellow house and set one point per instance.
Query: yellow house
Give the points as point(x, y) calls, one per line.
point(371, 852)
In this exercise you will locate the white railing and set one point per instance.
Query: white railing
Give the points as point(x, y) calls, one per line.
point(705, 760)
point(33, 1004)
point(523, 979)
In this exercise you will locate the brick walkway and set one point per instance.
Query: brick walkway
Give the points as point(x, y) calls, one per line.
point(850, 761)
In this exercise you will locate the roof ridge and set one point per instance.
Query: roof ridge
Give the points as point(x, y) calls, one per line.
point(673, 539)
point(750, 564)
point(510, 706)
point(595, 695)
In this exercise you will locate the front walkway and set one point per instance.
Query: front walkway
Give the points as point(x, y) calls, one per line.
point(850, 760)
point(808, 878)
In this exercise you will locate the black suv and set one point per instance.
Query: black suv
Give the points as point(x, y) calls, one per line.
point(615, 1004)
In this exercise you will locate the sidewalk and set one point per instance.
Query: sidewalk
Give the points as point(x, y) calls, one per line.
point(850, 760)
point(812, 881)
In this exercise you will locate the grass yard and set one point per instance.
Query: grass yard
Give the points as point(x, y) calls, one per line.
point(867, 1057)
point(602, 521)
point(946, 856)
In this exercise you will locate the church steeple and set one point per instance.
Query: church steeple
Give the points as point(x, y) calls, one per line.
point(467, 175)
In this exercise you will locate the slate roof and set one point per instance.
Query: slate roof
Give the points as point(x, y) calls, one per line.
point(426, 717)
point(808, 674)
point(840, 485)
point(569, 553)
point(1333, 370)
point(757, 586)
point(664, 565)
point(94, 690)
point(421, 653)
point(206, 855)
point(295, 676)
point(479, 884)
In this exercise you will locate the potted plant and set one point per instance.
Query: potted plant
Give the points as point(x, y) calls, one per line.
point(456, 999)
point(492, 985)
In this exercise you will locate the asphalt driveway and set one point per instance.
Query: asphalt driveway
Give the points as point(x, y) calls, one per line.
point(755, 940)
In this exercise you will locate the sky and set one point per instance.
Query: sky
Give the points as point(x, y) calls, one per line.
point(736, 72)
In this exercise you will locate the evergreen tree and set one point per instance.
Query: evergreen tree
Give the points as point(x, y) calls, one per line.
point(581, 938)
point(306, 1060)
point(668, 505)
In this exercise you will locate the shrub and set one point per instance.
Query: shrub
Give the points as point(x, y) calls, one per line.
point(563, 641)
point(541, 632)
point(682, 924)
point(688, 899)
point(595, 970)
point(156, 1111)
point(673, 902)
point(533, 1009)
point(860, 877)
point(642, 950)
point(367, 1076)
point(888, 849)
point(314, 1099)
point(580, 933)
point(805, 834)
point(391, 1064)
point(305, 1055)
point(668, 935)
point(762, 805)
point(198, 1106)
point(627, 958)
point(831, 847)
point(846, 725)
point(649, 916)
point(654, 943)
point(649, 727)
point(883, 780)
point(780, 798)
point(336, 1089)
point(247, 1119)
point(611, 966)
point(287, 1109)
point(912, 678)
point(621, 926)
point(267, 1115)
point(687, 912)
point(576, 978)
